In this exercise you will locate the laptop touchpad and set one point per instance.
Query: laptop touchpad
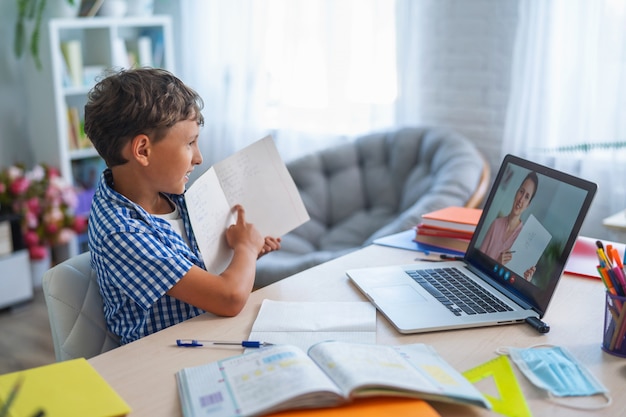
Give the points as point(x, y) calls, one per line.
point(396, 294)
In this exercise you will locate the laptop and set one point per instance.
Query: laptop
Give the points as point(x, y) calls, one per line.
point(517, 284)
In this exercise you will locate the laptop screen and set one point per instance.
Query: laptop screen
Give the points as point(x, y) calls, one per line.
point(529, 225)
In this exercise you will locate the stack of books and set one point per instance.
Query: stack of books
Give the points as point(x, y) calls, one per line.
point(450, 228)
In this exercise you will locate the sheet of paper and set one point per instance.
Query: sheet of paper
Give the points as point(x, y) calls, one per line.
point(304, 324)
point(255, 177)
point(529, 245)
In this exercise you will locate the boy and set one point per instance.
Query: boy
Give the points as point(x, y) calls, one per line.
point(145, 123)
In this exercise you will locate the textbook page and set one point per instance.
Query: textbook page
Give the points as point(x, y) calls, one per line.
point(255, 177)
point(304, 324)
point(413, 370)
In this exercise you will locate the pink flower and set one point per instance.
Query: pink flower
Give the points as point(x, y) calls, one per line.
point(80, 224)
point(51, 229)
point(38, 252)
point(65, 235)
point(31, 220)
point(19, 186)
point(46, 203)
point(14, 172)
point(31, 238)
point(53, 173)
point(33, 205)
point(37, 174)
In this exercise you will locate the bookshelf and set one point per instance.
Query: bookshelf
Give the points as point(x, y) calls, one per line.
point(75, 51)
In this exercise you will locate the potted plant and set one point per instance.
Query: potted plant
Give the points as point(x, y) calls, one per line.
point(46, 204)
point(32, 10)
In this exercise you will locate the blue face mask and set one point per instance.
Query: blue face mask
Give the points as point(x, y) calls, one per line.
point(555, 370)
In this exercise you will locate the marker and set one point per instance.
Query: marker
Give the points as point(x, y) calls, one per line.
point(537, 324)
point(197, 343)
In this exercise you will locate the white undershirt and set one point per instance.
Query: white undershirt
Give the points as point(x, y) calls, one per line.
point(176, 222)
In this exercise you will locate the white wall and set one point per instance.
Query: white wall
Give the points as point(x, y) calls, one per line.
point(14, 115)
point(464, 73)
point(464, 62)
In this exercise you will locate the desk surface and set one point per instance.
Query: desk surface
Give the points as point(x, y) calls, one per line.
point(143, 372)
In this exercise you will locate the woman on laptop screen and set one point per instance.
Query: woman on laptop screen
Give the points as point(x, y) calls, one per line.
point(505, 229)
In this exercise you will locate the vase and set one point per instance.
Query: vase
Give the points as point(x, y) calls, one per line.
point(140, 8)
point(113, 8)
point(38, 268)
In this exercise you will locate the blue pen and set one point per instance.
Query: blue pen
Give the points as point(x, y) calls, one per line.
point(197, 343)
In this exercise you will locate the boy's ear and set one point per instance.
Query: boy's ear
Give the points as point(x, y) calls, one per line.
point(140, 149)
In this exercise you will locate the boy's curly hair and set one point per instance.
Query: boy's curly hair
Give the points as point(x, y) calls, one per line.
point(129, 102)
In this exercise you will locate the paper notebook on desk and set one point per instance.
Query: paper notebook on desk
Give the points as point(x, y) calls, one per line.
point(426, 297)
point(304, 324)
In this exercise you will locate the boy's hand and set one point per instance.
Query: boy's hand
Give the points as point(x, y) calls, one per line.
point(271, 244)
point(242, 234)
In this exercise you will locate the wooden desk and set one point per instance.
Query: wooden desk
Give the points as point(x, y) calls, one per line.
point(142, 372)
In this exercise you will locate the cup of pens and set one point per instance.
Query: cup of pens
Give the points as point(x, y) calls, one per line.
point(614, 341)
point(613, 275)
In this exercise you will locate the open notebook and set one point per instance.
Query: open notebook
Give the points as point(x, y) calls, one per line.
point(421, 297)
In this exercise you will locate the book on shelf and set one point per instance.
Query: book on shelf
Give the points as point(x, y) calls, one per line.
point(76, 130)
point(452, 243)
point(73, 128)
point(453, 218)
point(330, 374)
point(73, 55)
point(69, 388)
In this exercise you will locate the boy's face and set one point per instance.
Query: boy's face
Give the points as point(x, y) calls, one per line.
point(174, 157)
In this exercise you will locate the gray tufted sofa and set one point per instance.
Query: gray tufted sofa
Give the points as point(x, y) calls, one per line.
point(377, 185)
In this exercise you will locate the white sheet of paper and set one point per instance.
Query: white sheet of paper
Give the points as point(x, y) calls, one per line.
point(529, 245)
point(304, 324)
point(255, 177)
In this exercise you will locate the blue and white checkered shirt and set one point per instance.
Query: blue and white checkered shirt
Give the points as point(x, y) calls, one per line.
point(138, 258)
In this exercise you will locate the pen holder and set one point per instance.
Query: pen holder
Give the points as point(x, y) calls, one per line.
point(615, 325)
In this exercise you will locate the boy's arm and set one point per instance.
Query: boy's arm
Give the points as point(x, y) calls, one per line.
point(227, 293)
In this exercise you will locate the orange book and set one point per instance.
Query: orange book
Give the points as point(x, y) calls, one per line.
point(456, 244)
point(374, 407)
point(453, 218)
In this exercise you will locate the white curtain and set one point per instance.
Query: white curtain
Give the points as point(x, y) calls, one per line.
point(309, 72)
point(568, 94)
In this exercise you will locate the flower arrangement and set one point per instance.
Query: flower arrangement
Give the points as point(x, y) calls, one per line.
point(46, 203)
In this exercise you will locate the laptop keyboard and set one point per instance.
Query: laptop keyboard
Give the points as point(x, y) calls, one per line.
point(457, 292)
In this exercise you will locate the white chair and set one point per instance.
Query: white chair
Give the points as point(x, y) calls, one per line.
point(75, 310)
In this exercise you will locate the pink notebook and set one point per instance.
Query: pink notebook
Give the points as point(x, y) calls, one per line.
point(583, 259)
